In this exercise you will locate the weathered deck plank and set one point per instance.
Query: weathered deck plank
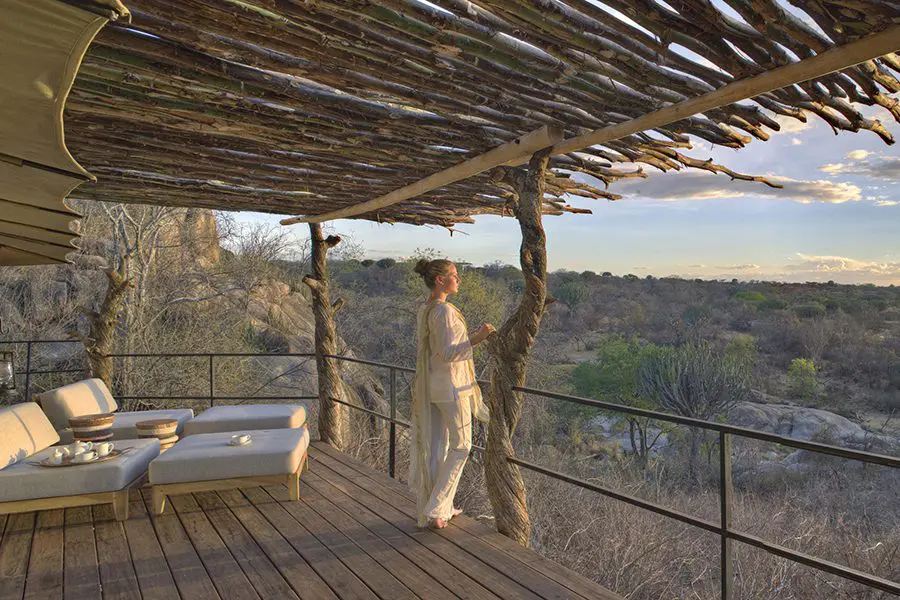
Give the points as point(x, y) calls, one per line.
point(81, 573)
point(351, 537)
point(14, 554)
point(45, 566)
point(572, 581)
point(117, 576)
point(184, 563)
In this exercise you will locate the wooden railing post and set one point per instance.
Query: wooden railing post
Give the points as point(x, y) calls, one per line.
point(725, 494)
point(392, 443)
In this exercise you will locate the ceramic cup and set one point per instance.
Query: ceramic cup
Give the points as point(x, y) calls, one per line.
point(240, 439)
point(84, 457)
point(57, 457)
point(103, 448)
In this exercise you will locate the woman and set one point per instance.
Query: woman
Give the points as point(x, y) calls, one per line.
point(445, 397)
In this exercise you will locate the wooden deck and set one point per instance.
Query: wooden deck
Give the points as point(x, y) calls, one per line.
point(352, 535)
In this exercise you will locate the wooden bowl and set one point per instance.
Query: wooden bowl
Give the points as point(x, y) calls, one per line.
point(92, 428)
point(158, 428)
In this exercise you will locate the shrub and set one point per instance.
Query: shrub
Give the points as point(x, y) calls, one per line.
point(802, 381)
point(773, 304)
point(813, 310)
point(386, 263)
point(750, 296)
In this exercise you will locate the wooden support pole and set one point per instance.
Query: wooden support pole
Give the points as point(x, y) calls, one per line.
point(98, 344)
point(331, 426)
point(509, 349)
point(523, 146)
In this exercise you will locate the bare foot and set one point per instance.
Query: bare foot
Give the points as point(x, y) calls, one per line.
point(439, 523)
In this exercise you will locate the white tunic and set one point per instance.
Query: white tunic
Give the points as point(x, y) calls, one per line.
point(451, 368)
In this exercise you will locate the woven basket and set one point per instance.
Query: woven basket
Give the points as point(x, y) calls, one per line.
point(92, 428)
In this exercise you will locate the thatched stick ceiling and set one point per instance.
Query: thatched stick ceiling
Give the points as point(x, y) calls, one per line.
point(304, 107)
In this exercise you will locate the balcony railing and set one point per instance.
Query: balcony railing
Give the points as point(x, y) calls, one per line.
point(726, 433)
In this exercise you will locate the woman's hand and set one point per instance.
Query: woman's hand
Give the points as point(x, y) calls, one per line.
point(481, 334)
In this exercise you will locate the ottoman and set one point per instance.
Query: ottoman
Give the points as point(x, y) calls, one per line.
point(206, 462)
point(246, 417)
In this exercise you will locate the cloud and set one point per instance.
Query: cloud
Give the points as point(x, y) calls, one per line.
point(694, 185)
point(843, 268)
point(796, 142)
point(791, 125)
point(887, 203)
point(748, 267)
point(878, 167)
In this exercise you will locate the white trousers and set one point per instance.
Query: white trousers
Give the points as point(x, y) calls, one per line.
point(451, 441)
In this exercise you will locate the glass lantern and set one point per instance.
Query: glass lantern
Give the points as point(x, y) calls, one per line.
point(7, 374)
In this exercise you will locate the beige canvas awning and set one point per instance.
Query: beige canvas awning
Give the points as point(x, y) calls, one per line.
point(42, 43)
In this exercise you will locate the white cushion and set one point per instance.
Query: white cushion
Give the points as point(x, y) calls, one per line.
point(209, 456)
point(88, 397)
point(241, 417)
point(25, 481)
point(24, 430)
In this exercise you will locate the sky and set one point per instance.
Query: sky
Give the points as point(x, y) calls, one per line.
point(837, 217)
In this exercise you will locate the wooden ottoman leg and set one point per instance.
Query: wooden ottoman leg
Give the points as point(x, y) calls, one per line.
point(293, 483)
point(158, 501)
point(120, 505)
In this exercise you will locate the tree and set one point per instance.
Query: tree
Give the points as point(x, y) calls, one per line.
point(697, 381)
point(802, 381)
point(385, 263)
point(613, 376)
point(571, 293)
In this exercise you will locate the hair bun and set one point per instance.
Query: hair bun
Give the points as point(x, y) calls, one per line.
point(422, 266)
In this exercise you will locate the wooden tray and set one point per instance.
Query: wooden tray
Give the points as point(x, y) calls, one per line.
point(67, 462)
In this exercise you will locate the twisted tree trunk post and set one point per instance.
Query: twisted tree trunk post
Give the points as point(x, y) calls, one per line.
point(99, 342)
point(331, 424)
point(509, 349)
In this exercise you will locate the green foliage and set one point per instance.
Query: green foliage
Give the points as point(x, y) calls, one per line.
point(750, 296)
point(802, 381)
point(812, 310)
point(571, 293)
point(743, 349)
point(385, 263)
point(612, 375)
point(367, 263)
point(770, 304)
point(695, 380)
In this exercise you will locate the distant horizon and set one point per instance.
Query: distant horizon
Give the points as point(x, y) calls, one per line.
point(837, 217)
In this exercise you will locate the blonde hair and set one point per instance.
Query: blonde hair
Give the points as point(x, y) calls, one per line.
point(430, 270)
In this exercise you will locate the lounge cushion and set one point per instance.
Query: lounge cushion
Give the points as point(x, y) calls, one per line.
point(88, 397)
point(24, 430)
point(242, 417)
point(208, 456)
point(25, 481)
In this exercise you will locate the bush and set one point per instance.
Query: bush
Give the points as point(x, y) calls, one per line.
point(813, 310)
point(386, 263)
point(750, 296)
point(802, 381)
point(773, 304)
